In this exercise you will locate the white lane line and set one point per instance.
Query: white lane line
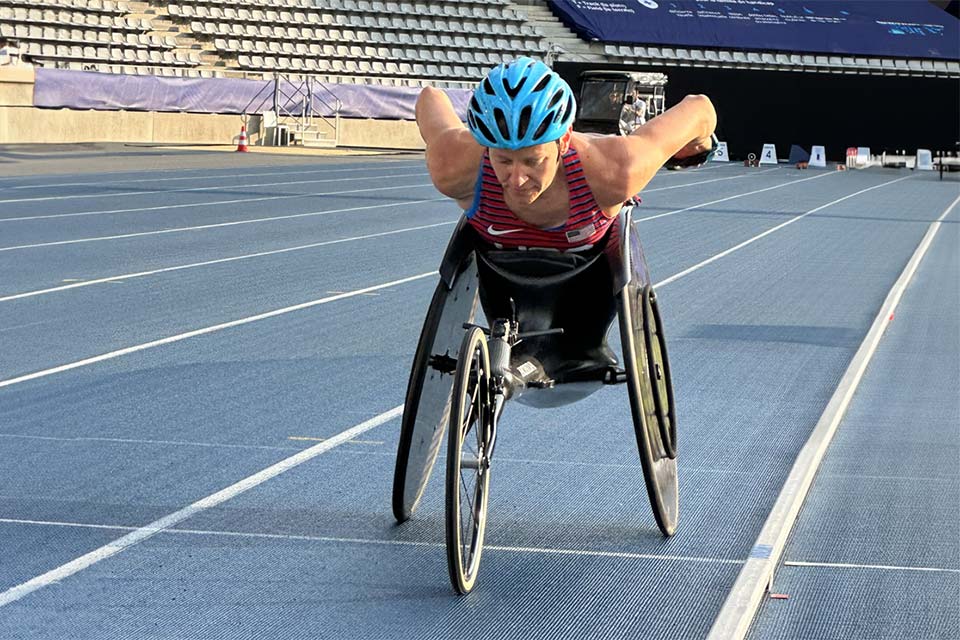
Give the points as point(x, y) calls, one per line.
point(377, 287)
point(265, 198)
point(690, 184)
point(143, 533)
point(179, 443)
point(191, 205)
point(74, 566)
point(593, 553)
point(141, 274)
point(733, 197)
point(199, 332)
point(154, 172)
point(879, 567)
point(700, 265)
point(145, 273)
point(418, 165)
point(214, 188)
point(742, 602)
point(222, 224)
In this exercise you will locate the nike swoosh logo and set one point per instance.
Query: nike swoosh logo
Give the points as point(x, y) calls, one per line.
point(500, 232)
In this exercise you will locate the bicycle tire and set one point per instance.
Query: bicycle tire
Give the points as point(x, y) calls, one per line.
point(470, 422)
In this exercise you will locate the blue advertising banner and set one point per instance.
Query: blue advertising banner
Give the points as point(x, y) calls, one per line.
point(894, 28)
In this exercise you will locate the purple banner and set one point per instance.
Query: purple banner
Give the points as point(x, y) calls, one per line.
point(58, 88)
point(895, 28)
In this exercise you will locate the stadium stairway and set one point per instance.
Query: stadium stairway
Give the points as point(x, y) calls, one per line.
point(158, 16)
point(565, 45)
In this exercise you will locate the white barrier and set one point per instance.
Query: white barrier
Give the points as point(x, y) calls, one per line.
point(924, 160)
point(818, 157)
point(769, 154)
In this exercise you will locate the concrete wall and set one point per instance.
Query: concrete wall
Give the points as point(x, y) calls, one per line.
point(27, 125)
point(385, 134)
point(16, 86)
point(21, 123)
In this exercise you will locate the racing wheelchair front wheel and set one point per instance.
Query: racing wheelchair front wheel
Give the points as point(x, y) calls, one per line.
point(468, 461)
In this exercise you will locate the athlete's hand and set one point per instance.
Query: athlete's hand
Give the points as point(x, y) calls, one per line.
point(695, 147)
point(694, 154)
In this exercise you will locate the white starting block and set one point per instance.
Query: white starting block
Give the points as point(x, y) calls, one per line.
point(721, 155)
point(818, 157)
point(924, 160)
point(769, 154)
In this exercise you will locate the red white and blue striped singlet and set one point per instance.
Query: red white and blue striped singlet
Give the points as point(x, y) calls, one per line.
point(490, 216)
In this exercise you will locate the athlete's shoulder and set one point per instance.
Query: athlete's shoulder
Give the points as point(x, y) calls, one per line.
point(605, 164)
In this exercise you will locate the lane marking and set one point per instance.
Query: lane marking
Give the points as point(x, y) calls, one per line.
point(743, 244)
point(155, 271)
point(756, 577)
point(690, 184)
point(311, 439)
point(152, 172)
point(141, 274)
point(137, 536)
point(165, 523)
point(216, 177)
point(199, 332)
point(190, 205)
point(733, 197)
point(218, 224)
point(187, 443)
point(147, 192)
point(879, 567)
point(237, 201)
point(380, 542)
point(135, 348)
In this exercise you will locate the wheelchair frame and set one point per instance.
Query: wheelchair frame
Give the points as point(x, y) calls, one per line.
point(646, 372)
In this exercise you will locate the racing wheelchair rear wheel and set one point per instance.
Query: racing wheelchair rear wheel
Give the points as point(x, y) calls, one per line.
point(468, 461)
point(651, 400)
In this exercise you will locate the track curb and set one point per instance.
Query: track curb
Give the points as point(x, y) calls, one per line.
point(742, 603)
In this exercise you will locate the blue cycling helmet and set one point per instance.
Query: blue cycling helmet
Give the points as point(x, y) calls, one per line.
point(520, 104)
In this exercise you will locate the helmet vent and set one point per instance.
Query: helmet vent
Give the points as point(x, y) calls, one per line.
point(557, 97)
point(524, 123)
point(542, 128)
point(484, 131)
point(544, 81)
point(501, 120)
point(488, 88)
point(512, 91)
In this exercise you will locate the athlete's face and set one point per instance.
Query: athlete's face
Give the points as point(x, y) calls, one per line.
point(526, 173)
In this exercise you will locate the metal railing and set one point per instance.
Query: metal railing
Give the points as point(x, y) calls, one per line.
point(298, 104)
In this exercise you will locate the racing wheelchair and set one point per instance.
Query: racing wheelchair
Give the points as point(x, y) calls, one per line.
point(546, 346)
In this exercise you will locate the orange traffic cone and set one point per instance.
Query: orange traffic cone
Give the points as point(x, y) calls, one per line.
point(242, 144)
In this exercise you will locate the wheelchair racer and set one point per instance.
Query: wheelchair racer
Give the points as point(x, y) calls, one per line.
point(525, 179)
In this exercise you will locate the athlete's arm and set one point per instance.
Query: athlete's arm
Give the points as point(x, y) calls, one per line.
point(453, 156)
point(629, 162)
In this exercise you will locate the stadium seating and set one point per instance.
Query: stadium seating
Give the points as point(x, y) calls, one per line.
point(445, 42)
point(98, 35)
point(360, 40)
